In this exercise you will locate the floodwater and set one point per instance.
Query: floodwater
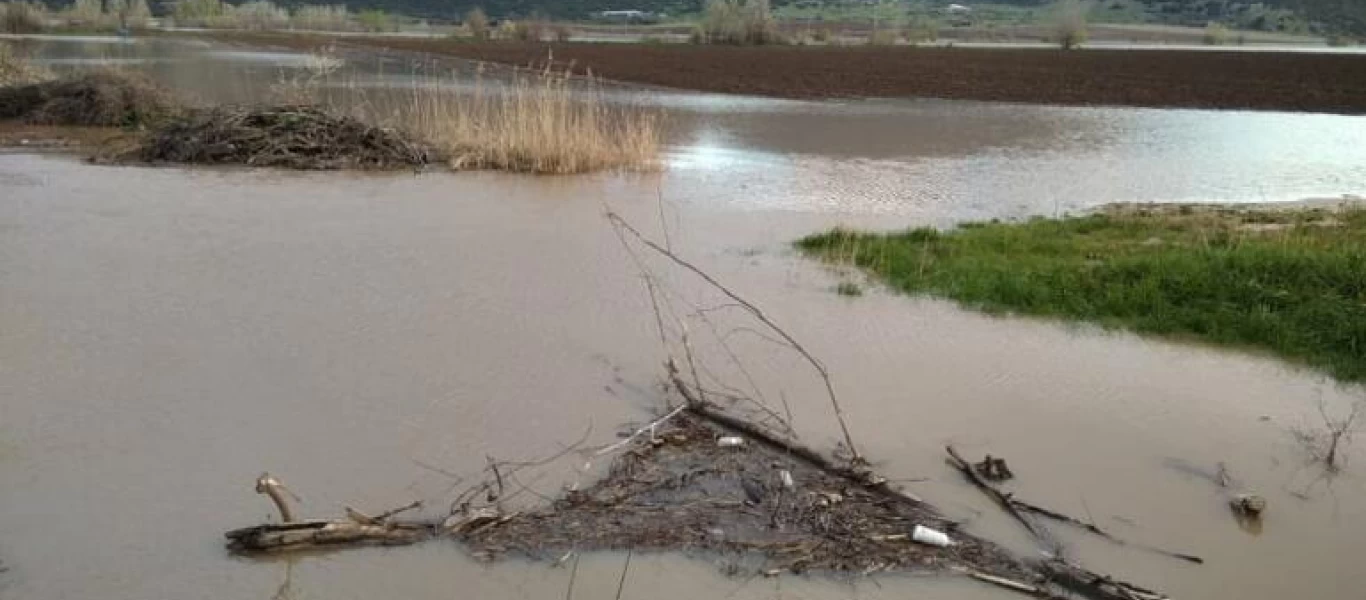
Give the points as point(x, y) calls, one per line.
point(939, 160)
point(168, 334)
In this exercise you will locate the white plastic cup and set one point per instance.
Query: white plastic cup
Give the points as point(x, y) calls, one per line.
point(931, 537)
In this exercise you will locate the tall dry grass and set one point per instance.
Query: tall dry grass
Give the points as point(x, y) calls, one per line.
point(739, 22)
point(535, 122)
point(22, 17)
point(547, 123)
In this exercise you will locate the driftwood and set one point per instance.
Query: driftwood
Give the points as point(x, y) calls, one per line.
point(1094, 585)
point(321, 534)
point(963, 466)
point(292, 535)
point(1093, 528)
point(1069, 575)
point(1018, 507)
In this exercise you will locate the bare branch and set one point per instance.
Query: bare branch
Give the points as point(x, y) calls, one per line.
point(622, 225)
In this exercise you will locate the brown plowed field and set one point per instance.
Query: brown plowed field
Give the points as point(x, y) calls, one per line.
point(1333, 83)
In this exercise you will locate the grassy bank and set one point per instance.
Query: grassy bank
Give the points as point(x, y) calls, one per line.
point(1289, 281)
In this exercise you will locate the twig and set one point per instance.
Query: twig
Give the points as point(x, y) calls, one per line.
point(621, 584)
point(758, 314)
point(498, 477)
point(1093, 528)
point(402, 509)
point(651, 427)
point(271, 487)
point(965, 467)
point(573, 574)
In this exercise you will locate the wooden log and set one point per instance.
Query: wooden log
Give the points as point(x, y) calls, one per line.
point(321, 534)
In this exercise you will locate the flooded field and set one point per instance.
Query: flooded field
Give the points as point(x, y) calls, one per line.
point(938, 160)
point(168, 334)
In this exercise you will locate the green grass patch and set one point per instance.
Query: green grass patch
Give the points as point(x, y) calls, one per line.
point(1289, 281)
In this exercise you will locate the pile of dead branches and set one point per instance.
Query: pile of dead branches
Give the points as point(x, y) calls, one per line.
point(293, 137)
point(105, 98)
point(683, 489)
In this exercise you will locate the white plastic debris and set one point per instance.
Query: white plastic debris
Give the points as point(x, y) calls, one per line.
point(932, 537)
point(730, 441)
point(786, 477)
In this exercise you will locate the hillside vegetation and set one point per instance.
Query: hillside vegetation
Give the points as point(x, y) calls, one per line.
point(1293, 16)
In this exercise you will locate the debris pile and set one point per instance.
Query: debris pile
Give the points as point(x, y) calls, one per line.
point(294, 137)
point(691, 487)
point(106, 98)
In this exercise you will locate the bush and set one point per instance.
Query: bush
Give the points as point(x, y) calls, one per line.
point(16, 70)
point(197, 13)
point(921, 30)
point(136, 14)
point(562, 32)
point(1216, 34)
point(478, 23)
point(22, 17)
point(256, 15)
point(1071, 24)
point(87, 12)
point(740, 22)
point(98, 98)
point(882, 37)
point(528, 30)
point(323, 18)
point(375, 21)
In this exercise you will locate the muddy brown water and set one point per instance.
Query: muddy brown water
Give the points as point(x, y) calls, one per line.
point(168, 334)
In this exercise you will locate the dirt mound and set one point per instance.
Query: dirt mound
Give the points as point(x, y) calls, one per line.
point(294, 137)
point(693, 486)
point(100, 98)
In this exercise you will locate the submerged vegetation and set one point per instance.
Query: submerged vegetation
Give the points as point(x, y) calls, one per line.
point(1289, 281)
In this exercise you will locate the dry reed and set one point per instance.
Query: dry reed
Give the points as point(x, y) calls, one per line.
point(545, 122)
